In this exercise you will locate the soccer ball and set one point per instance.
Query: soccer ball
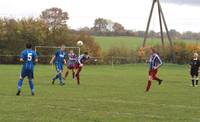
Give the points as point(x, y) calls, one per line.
point(80, 43)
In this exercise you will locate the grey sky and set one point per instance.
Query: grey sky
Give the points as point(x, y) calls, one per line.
point(186, 2)
point(133, 14)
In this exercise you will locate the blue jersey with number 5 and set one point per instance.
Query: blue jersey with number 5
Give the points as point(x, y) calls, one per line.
point(29, 57)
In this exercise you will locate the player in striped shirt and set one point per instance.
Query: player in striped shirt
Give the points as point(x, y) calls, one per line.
point(71, 63)
point(79, 65)
point(154, 64)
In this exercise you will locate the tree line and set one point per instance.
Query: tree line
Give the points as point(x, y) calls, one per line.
point(49, 29)
point(106, 27)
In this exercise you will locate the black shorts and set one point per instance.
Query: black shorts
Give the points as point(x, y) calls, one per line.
point(194, 73)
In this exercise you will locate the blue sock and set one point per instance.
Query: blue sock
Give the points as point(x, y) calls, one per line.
point(31, 85)
point(57, 76)
point(20, 82)
point(60, 77)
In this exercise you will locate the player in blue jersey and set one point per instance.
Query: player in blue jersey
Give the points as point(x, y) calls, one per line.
point(79, 65)
point(154, 64)
point(28, 57)
point(59, 60)
point(71, 63)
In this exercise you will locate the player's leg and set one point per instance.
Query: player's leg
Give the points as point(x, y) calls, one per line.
point(154, 77)
point(30, 80)
point(57, 75)
point(73, 73)
point(197, 78)
point(149, 81)
point(66, 74)
point(20, 82)
point(193, 81)
point(78, 75)
point(193, 78)
point(60, 70)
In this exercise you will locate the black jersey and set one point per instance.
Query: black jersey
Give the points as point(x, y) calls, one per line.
point(195, 64)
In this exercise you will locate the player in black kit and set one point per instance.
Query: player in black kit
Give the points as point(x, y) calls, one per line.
point(194, 69)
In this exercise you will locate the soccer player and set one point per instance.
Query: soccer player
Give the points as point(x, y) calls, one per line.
point(59, 59)
point(194, 69)
point(71, 63)
point(154, 64)
point(79, 65)
point(28, 57)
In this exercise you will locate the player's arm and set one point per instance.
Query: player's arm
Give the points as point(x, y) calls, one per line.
point(21, 59)
point(52, 59)
point(65, 62)
point(79, 61)
point(160, 62)
point(36, 60)
point(189, 66)
point(36, 57)
point(92, 58)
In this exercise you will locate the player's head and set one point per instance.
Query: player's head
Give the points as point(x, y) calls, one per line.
point(196, 55)
point(28, 45)
point(71, 51)
point(62, 47)
point(152, 50)
point(86, 53)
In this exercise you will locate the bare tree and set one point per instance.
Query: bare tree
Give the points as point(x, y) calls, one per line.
point(54, 17)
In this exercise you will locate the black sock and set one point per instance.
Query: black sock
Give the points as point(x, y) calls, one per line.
point(193, 83)
point(197, 81)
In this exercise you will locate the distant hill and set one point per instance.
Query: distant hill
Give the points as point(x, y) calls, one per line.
point(130, 42)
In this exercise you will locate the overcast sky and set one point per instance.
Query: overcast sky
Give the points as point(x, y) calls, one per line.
point(182, 15)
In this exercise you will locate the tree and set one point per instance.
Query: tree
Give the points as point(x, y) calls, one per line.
point(174, 34)
point(100, 25)
point(54, 17)
point(118, 28)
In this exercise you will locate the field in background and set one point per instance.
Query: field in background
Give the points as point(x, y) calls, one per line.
point(105, 95)
point(129, 42)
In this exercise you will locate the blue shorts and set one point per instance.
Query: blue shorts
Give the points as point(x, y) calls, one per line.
point(27, 73)
point(59, 67)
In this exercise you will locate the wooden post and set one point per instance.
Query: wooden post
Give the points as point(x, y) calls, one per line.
point(161, 21)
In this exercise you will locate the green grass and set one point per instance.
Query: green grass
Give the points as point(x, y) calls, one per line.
point(129, 42)
point(105, 95)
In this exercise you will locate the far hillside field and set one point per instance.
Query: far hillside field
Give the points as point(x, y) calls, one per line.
point(130, 42)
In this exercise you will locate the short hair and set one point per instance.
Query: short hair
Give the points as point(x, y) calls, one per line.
point(86, 53)
point(62, 45)
point(28, 45)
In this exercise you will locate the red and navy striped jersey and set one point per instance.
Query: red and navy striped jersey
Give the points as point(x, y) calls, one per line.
point(72, 57)
point(82, 58)
point(154, 61)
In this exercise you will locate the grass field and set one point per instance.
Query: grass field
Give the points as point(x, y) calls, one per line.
point(105, 95)
point(129, 42)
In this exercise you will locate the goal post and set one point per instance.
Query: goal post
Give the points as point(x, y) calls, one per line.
point(45, 52)
point(55, 47)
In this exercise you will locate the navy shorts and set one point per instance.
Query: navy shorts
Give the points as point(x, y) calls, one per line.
point(59, 67)
point(27, 73)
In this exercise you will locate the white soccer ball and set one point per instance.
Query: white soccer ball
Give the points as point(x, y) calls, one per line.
point(80, 43)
